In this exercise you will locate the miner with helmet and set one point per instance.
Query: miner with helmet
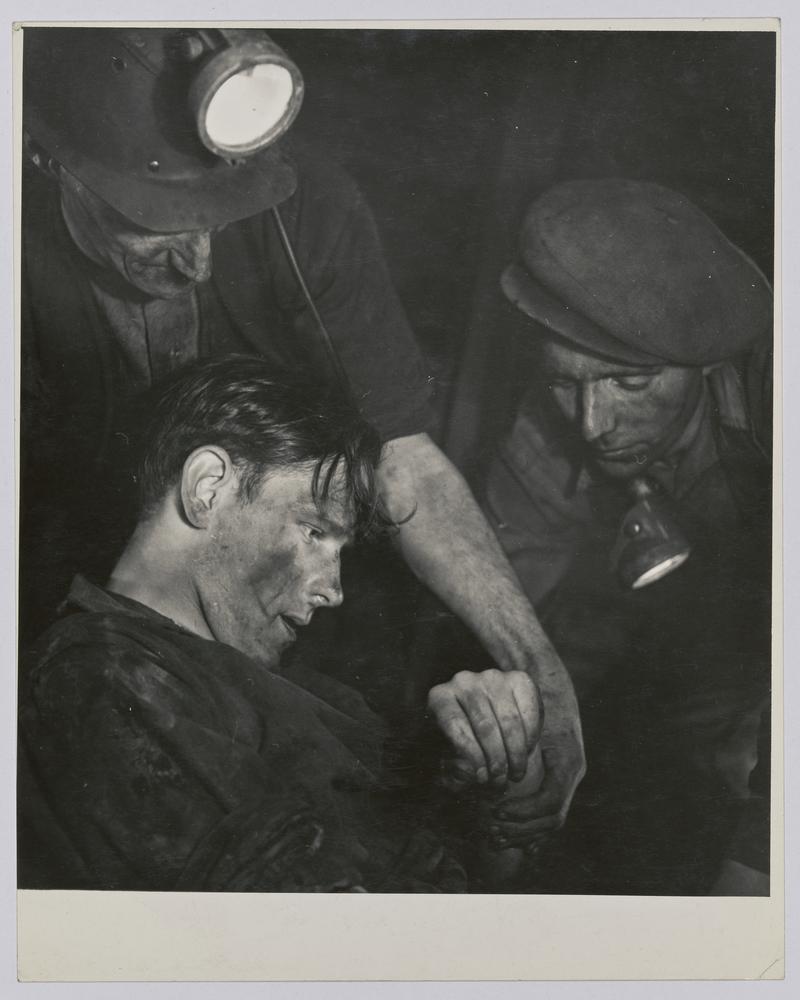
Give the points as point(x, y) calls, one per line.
point(165, 219)
point(633, 498)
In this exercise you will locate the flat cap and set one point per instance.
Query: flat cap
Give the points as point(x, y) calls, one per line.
point(636, 272)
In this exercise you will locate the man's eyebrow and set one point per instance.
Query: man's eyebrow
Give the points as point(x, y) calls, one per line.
point(554, 374)
point(639, 370)
point(330, 524)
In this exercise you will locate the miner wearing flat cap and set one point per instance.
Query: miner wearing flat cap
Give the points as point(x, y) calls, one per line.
point(633, 498)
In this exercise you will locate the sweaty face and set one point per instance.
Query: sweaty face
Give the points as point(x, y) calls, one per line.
point(270, 563)
point(162, 265)
point(627, 416)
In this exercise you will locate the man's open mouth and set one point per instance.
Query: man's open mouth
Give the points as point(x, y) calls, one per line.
point(290, 629)
point(292, 622)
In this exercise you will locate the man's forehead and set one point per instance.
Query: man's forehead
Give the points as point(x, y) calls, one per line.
point(338, 516)
point(562, 356)
point(296, 485)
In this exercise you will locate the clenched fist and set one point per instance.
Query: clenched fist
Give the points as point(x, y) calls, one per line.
point(493, 720)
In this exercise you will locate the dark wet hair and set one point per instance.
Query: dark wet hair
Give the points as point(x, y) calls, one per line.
point(266, 418)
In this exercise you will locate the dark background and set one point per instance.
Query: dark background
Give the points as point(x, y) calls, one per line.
point(451, 133)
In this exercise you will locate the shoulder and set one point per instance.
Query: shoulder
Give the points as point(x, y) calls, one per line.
point(320, 177)
point(534, 483)
point(149, 670)
point(91, 657)
point(326, 218)
point(327, 208)
point(536, 451)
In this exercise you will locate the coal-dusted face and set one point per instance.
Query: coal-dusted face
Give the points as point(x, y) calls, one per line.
point(627, 415)
point(161, 265)
point(270, 562)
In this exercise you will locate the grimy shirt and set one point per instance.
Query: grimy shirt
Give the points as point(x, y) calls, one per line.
point(153, 759)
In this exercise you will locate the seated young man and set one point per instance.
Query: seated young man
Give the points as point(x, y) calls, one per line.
point(158, 747)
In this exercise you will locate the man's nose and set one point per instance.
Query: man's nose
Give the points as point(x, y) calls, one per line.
point(597, 413)
point(191, 256)
point(328, 589)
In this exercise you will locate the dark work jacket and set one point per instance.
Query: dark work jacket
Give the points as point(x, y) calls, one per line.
point(78, 419)
point(152, 759)
point(674, 678)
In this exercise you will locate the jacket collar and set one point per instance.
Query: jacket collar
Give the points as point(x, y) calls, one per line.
point(86, 596)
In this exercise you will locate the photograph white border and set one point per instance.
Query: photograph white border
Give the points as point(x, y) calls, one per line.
point(302, 937)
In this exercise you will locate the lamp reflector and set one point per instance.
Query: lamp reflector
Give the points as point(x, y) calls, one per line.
point(245, 109)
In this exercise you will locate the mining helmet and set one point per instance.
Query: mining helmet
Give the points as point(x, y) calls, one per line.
point(174, 128)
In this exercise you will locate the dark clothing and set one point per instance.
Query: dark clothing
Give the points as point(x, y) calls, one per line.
point(78, 379)
point(673, 679)
point(153, 759)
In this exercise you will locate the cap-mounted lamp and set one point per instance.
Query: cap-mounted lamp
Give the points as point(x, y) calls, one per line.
point(650, 543)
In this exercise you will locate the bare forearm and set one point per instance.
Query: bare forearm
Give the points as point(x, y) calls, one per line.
point(448, 543)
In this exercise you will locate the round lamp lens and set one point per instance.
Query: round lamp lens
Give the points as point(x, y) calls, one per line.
point(247, 106)
point(660, 570)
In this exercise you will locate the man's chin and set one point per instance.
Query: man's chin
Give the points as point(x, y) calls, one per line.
point(159, 285)
point(622, 469)
point(164, 290)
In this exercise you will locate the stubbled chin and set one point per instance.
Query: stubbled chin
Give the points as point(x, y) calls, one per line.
point(165, 292)
point(159, 286)
point(621, 470)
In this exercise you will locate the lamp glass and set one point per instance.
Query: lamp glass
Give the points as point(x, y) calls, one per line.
point(660, 569)
point(247, 106)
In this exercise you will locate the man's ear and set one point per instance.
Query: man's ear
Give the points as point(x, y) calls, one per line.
point(209, 476)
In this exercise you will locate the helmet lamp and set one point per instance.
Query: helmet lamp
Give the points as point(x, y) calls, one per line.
point(245, 94)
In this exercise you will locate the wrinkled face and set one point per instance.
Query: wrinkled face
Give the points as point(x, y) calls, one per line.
point(270, 563)
point(627, 416)
point(162, 265)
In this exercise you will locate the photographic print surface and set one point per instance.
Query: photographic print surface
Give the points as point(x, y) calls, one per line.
point(391, 400)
